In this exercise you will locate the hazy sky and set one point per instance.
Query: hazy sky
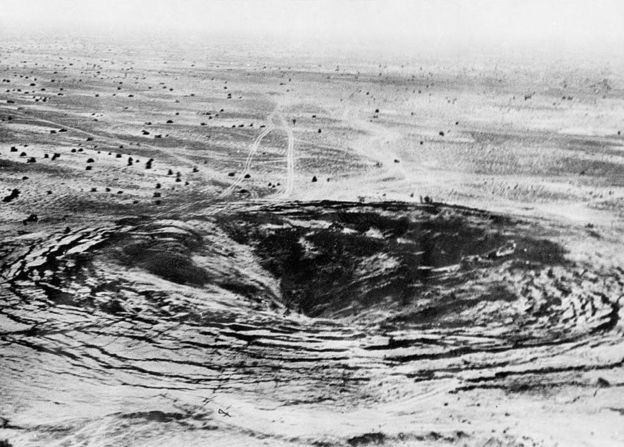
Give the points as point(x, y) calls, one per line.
point(586, 23)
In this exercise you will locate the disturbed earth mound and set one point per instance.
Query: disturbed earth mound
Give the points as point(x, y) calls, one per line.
point(302, 309)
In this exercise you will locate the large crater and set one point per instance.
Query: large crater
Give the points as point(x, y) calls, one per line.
point(304, 304)
point(393, 265)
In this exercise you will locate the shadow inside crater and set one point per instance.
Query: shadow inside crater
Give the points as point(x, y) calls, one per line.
point(341, 259)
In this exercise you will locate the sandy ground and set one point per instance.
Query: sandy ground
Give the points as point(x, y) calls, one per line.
point(217, 248)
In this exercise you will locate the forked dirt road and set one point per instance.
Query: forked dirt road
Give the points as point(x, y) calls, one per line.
point(253, 148)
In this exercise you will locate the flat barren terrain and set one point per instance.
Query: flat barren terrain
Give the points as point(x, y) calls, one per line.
point(211, 247)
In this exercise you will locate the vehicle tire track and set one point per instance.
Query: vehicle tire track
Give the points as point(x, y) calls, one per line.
point(252, 151)
point(290, 158)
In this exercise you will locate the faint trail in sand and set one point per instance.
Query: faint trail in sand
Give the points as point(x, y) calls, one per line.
point(290, 155)
point(289, 183)
point(215, 208)
point(372, 144)
point(253, 148)
point(290, 158)
point(375, 145)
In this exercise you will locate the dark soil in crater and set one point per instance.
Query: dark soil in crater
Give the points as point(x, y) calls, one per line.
point(341, 258)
